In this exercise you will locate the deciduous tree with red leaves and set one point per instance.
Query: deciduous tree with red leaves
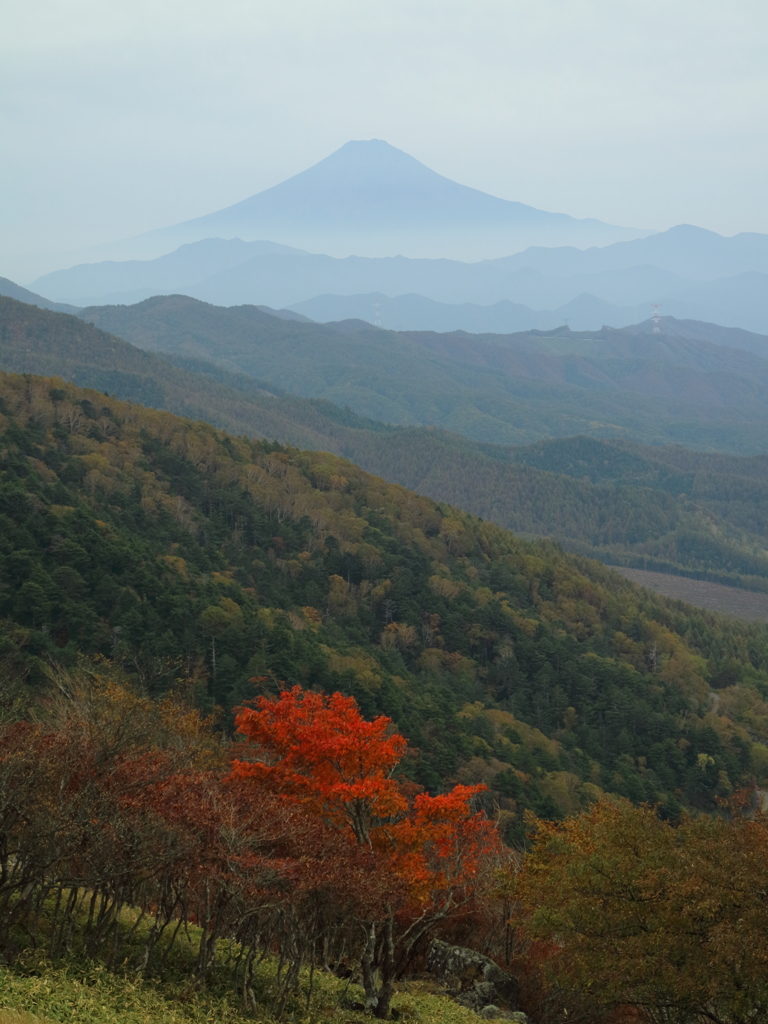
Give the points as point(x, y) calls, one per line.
point(426, 855)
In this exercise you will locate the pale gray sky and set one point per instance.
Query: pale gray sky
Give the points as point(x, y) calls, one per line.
point(119, 116)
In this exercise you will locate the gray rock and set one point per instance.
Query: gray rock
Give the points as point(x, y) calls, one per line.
point(492, 1012)
point(486, 990)
point(469, 999)
point(475, 980)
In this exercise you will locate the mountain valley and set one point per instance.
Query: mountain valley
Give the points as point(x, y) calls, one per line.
point(180, 552)
point(512, 389)
point(647, 506)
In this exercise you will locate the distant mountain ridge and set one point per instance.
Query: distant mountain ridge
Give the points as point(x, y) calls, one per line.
point(583, 313)
point(173, 272)
point(15, 291)
point(695, 274)
point(686, 250)
point(511, 389)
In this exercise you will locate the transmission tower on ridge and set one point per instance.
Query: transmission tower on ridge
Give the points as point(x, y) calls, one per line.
point(377, 314)
point(656, 318)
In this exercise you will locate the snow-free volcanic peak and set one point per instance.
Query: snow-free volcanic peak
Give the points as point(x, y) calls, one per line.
point(370, 198)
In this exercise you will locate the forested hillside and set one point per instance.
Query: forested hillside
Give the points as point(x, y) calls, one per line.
point(513, 389)
point(665, 508)
point(14, 291)
point(225, 566)
point(34, 340)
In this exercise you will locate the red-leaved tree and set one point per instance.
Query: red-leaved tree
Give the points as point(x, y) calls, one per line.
point(419, 857)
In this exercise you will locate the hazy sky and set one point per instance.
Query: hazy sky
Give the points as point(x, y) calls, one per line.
point(119, 116)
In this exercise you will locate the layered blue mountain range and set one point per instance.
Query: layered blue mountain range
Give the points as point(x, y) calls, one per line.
point(693, 273)
point(404, 225)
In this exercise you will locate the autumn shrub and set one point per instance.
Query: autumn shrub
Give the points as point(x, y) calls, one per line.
point(306, 846)
point(638, 914)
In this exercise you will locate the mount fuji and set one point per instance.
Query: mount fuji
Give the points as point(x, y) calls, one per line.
point(371, 199)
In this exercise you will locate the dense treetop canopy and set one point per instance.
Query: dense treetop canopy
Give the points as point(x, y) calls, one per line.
point(227, 567)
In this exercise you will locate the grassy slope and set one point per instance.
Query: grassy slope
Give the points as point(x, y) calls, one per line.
point(89, 994)
point(77, 990)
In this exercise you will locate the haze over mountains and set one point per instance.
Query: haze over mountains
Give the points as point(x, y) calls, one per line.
point(695, 274)
point(371, 199)
point(497, 388)
point(662, 507)
point(372, 462)
point(239, 312)
point(739, 303)
point(370, 233)
point(14, 291)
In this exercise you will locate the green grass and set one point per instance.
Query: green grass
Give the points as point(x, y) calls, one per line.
point(75, 990)
point(87, 993)
point(18, 1017)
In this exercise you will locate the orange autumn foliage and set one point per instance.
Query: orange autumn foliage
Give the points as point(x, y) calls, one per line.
point(312, 849)
point(320, 752)
point(427, 854)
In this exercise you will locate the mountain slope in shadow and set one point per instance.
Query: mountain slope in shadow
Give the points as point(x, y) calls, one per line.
point(697, 513)
point(511, 389)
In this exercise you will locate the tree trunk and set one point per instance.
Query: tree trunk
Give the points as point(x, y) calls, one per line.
point(387, 988)
point(369, 975)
